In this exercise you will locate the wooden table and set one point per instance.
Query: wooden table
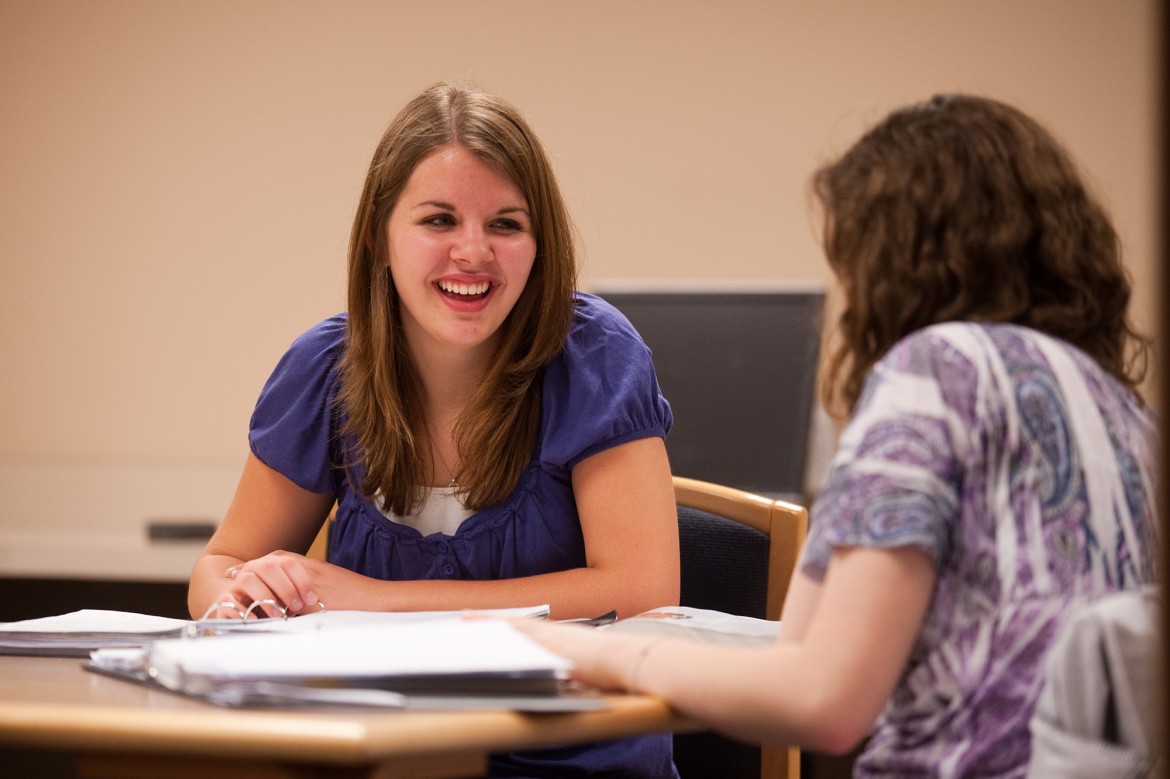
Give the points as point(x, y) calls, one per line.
point(125, 730)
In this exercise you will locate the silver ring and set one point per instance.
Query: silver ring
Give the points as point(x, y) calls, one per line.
point(225, 604)
point(269, 602)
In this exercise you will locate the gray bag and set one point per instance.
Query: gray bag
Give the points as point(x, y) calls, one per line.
point(1097, 714)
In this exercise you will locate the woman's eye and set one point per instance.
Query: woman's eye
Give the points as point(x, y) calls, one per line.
point(439, 220)
point(507, 225)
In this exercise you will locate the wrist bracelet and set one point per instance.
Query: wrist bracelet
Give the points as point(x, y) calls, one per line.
point(639, 660)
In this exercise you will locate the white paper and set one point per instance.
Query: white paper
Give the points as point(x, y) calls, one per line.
point(94, 622)
point(331, 620)
point(700, 625)
point(434, 647)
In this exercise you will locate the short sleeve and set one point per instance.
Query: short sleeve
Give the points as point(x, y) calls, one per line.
point(602, 390)
point(896, 478)
point(292, 425)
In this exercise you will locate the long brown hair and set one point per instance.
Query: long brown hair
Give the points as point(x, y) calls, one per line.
point(963, 208)
point(381, 396)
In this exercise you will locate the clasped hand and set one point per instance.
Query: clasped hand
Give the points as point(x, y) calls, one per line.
point(272, 581)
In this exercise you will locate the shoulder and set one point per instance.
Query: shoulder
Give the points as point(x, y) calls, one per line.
point(326, 336)
point(317, 349)
point(962, 358)
point(601, 390)
point(309, 362)
point(594, 316)
point(981, 343)
point(601, 338)
point(928, 370)
point(1000, 358)
point(292, 424)
point(934, 348)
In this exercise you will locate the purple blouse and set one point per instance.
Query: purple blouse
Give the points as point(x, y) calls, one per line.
point(1028, 475)
point(601, 391)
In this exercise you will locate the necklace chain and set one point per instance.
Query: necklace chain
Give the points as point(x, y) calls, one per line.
point(443, 462)
point(438, 455)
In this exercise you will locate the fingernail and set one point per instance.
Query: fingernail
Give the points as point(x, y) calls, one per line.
point(231, 572)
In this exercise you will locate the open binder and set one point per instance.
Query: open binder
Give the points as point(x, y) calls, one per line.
point(451, 663)
point(418, 660)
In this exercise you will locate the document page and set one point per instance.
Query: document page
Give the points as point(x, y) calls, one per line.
point(700, 625)
point(77, 633)
point(446, 652)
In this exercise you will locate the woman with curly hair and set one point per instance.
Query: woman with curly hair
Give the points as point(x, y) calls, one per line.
point(996, 471)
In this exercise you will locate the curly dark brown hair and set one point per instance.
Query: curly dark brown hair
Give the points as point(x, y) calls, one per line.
point(964, 208)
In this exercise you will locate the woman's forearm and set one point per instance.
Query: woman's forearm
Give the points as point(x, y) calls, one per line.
point(578, 592)
point(208, 579)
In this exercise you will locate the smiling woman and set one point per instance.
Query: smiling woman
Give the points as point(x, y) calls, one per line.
point(452, 416)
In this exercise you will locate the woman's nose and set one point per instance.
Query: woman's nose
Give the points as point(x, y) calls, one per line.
point(472, 247)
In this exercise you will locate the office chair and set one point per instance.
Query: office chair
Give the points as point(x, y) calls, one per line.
point(738, 551)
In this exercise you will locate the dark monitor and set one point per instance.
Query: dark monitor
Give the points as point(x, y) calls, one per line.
point(738, 368)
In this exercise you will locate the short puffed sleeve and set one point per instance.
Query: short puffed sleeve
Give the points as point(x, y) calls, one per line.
point(292, 427)
point(601, 391)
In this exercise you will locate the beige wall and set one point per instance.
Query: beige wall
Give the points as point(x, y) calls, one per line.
point(178, 179)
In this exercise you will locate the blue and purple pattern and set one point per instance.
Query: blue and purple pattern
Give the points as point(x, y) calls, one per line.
point(1027, 474)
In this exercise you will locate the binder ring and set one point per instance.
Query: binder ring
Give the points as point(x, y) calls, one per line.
point(225, 604)
point(268, 601)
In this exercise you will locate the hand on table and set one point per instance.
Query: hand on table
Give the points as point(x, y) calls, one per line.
point(290, 580)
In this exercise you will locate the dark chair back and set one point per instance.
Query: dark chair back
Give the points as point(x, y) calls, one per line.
point(724, 564)
point(737, 552)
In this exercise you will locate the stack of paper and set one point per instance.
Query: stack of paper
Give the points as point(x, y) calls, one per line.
point(78, 633)
point(433, 664)
point(439, 656)
point(427, 660)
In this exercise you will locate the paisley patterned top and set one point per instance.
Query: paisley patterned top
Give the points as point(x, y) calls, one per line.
point(1027, 473)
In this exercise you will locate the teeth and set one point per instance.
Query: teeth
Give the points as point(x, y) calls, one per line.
point(459, 288)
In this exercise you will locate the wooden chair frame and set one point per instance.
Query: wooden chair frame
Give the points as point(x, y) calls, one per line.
point(786, 525)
